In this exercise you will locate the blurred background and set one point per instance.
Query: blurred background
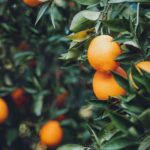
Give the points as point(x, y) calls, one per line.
point(35, 83)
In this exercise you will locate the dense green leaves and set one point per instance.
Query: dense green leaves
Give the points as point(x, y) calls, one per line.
point(87, 2)
point(131, 1)
point(120, 122)
point(118, 144)
point(29, 59)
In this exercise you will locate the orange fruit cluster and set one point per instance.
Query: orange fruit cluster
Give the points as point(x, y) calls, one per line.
point(102, 53)
point(19, 98)
point(51, 134)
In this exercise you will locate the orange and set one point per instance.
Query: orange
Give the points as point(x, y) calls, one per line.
point(3, 111)
point(19, 97)
point(143, 65)
point(51, 134)
point(105, 85)
point(32, 3)
point(102, 53)
point(72, 4)
point(61, 99)
point(23, 45)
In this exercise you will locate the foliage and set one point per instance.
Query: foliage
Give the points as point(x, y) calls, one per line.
point(29, 59)
point(115, 124)
point(119, 124)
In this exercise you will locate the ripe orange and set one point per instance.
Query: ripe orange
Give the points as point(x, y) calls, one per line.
point(61, 99)
point(19, 97)
point(143, 65)
point(51, 134)
point(3, 111)
point(32, 3)
point(102, 53)
point(105, 85)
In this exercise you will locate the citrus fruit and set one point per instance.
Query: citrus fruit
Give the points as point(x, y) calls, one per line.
point(102, 53)
point(3, 111)
point(32, 3)
point(143, 65)
point(105, 85)
point(51, 134)
point(61, 99)
point(19, 97)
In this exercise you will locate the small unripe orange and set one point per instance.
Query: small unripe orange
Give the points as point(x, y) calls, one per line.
point(19, 97)
point(3, 111)
point(61, 99)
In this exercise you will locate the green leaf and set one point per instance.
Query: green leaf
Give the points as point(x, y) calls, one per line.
point(91, 15)
point(52, 9)
point(131, 1)
point(121, 81)
point(11, 135)
point(145, 144)
point(119, 143)
point(21, 57)
point(71, 147)
point(87, 2)
point(117, 25)
point(107, 133)
point(72, 54)
point(147, 15)
point(38, 104)
point(41, 12)
point(80, 23)
point(6, 90)
point(100, 104)
point(95, 136)
point(120, 121)
point(134, 107)
point(145, 119)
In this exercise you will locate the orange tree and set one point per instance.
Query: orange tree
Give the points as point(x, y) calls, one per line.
point(35, 86)
point(122, 120)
